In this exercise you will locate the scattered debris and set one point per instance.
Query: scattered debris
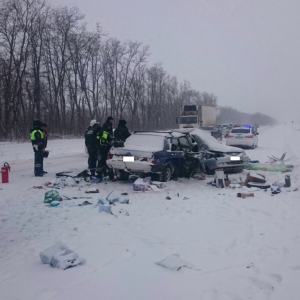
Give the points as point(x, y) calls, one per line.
point(199, 176)
point(275, 190)
point(175, 263)
point(92, 190)
point(52, 196)
point(85, 203)
point(168, 198)
point(245, 195)
point(60, 256)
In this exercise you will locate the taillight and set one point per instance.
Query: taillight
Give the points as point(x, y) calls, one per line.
point(109, 156)
point(144, 159)
point(153, 161)
point(229, 136)
point(249, 136)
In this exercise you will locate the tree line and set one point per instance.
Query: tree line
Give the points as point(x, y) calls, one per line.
point(231, 115)
point(53, 69)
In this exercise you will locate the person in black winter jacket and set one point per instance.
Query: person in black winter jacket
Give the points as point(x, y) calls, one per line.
point(92, 144)
point(38, 145)
point(121, 133)
point(108, 127)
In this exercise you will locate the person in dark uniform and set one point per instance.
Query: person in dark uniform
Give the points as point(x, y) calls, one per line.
point(106, 140)
point(38, 145)
point(92, 144)
point(121, 133)
point(46, 153)
point(108, 127)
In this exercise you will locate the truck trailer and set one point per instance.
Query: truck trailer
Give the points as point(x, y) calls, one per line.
point(196, 116)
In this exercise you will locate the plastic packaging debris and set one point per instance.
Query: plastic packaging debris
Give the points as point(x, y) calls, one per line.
point(260, 185)
point(142, 184)
point(54, 203)
point(113, 197)
point(199, 176)
point(92, 190)
point(245, 195)
point(60, 256)
point(51, 196)
point(275, 190)
point(175, 263)
point(105, 208)
point(276, 183)
point(272, 167)
point(96, 180)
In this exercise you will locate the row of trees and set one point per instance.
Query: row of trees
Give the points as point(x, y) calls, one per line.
point(54, 69)
point(228, 114)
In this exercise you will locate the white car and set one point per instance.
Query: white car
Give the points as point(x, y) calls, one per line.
point(242, 137)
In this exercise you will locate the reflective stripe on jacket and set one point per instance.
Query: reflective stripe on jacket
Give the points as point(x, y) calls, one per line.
point(32, 134)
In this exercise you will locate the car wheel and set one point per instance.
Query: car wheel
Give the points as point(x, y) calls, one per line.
point(167, 173)
point(122, 175)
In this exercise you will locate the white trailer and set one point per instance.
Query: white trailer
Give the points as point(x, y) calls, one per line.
point(196, 116)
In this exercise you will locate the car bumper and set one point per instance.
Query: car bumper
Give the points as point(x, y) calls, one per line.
point(246, 142)
point(130, 166)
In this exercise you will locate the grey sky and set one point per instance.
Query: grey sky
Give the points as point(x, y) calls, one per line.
point(246, 52)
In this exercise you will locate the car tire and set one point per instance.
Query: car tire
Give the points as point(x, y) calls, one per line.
point(167, 173)
point(122, 175)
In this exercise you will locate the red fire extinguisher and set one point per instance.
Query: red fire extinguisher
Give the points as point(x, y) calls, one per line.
point(4, 172)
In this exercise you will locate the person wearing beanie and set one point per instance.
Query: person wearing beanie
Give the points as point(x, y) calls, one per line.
point(38, 145)
point(92, 145)
point(106, 140)
point(121, 134)
point(93, 122)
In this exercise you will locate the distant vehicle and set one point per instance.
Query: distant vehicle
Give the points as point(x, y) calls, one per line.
point(196, 116)
point(225, 129)
point(215, 132)
point(242, 137)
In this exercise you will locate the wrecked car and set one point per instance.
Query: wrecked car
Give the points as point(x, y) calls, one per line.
point(164, 154)
point(231, 159)
point(168, 154)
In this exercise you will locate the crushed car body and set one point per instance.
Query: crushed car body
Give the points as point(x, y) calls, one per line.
point(172, 153)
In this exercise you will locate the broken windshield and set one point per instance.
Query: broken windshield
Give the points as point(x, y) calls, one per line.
point(188, 120)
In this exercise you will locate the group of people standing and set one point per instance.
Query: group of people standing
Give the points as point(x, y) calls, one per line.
point(99, 140)
point(39, 139)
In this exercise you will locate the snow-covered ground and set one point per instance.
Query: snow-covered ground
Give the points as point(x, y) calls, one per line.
point(241, 248)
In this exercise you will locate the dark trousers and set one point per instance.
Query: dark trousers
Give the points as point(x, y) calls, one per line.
point(92, 161)
point(38, 162)
point(104, 170)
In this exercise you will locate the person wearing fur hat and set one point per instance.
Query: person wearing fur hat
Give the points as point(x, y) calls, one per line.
point(38, 145)
point(121, 134)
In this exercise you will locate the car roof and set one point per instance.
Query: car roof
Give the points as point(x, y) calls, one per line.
point(167, 133)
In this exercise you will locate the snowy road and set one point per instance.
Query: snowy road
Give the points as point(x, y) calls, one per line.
point(245, 248)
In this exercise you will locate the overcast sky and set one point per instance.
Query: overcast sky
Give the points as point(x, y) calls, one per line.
point(246, 52)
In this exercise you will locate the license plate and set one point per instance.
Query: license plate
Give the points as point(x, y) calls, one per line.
point(235, 158)
point(128, 158)
point(238, 137)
